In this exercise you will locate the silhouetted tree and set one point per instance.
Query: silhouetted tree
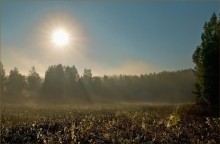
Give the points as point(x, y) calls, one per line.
point(63, 84)
point(33, 81)
point(206, 58)
point(87, 74)
point(53, 82)
point(86, 80)
point(15, 83)
point(86, 85)
point(2, 78)
point(70, 81)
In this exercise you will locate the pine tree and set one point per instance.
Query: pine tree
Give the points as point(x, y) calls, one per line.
point(206, 58)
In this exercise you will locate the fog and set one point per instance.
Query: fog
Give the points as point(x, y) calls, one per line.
point(63, 85)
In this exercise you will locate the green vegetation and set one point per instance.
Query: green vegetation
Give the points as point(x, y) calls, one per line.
point(106, 124)
point(206, 58)
point(63, 84)
point(2, 77)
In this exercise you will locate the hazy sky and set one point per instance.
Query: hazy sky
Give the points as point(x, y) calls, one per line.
point(110, 37)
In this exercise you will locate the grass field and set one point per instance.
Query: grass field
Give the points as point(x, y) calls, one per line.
point(139, 123)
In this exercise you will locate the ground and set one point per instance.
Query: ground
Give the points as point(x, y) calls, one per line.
point(137, 123)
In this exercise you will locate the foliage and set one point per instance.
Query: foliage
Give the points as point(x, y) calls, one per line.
point(2, 78)
point(87, 74)
point(161, 87)
point(173, 120)
point(15, 83)
point(206, 58)
point(63, 84)
point(33, 81)
point(105, 124)
point(60, 81)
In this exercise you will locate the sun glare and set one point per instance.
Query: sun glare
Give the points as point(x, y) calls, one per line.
point(60, 37)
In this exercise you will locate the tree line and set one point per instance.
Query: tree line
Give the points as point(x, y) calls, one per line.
point(64, 84)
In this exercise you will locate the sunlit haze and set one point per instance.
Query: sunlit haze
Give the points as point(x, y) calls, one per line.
point(135, 37)
point(60, 37)
point(109, 71)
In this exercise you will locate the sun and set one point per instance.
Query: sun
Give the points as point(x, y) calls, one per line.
point(60, 37)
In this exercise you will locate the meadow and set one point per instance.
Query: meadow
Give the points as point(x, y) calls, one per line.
point(124, 123)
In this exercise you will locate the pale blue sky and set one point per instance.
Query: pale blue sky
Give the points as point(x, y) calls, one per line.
point(110, 37)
